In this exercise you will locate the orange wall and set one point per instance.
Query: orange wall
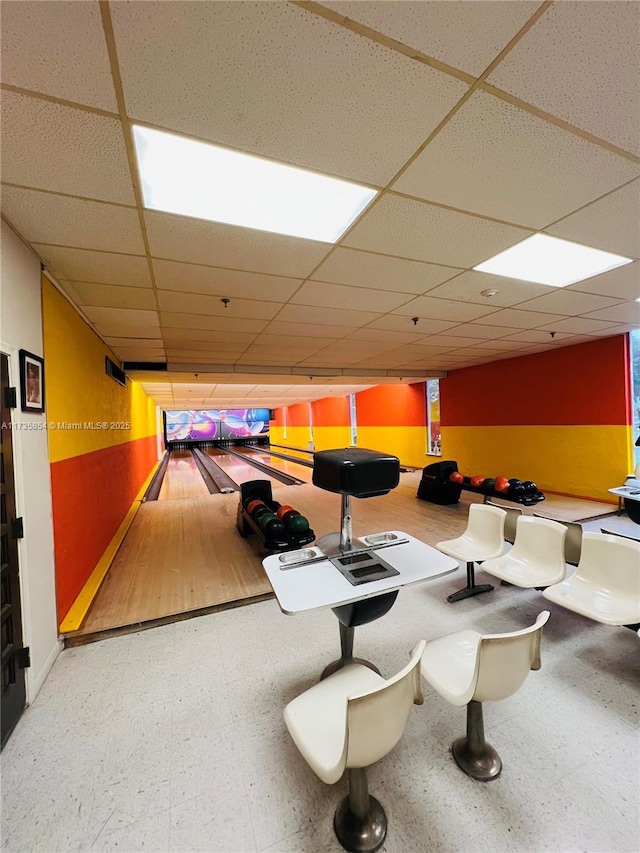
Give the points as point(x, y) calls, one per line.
point(331, 412)
point(96, 473)
point(560, 418)
point(390, 418)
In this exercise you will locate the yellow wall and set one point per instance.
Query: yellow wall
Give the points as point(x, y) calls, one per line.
point(408, 443)
point(79, 392)
point(297, 436)
point(331, 437)
point(544, 453)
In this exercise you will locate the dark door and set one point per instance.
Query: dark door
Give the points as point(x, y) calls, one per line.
point(13, 682)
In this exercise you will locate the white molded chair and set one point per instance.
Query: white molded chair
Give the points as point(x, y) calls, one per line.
point(468, 668)
point(483, 539)
point(349, 721)
point(537, 558)
point(606, 584)
point(573, 542)
point(510, 522)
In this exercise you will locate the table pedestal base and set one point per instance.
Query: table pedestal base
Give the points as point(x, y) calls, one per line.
point(347, 633)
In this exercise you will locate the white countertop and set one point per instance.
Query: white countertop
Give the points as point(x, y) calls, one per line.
point(314, 585)
point(631, 491)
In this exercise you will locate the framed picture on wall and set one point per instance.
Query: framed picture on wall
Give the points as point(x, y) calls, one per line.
point(31, 382)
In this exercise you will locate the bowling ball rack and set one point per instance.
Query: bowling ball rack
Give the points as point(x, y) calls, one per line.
point(260, 490)
point(436, 487)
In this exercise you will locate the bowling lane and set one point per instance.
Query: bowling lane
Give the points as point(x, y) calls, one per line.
point(290, 468)
point(182, 478)
point(238, 470)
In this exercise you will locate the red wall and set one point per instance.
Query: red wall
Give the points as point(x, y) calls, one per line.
point(566, 386)
point(92, 493)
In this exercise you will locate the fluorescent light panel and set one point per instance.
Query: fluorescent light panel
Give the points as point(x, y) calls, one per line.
point(192, 178)
point(550, 260)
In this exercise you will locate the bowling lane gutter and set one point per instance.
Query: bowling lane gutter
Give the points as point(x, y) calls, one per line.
point(156, 484)
point(287, 479)
point(285, 457)
point(213, 474)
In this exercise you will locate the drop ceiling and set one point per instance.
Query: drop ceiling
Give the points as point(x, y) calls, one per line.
point(479, 123)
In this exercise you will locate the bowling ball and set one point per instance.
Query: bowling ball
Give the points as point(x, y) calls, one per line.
point(259, 512)
point(488, 484)
point(298, 524)
point(252, 503)
point(514, 481)
point(476, 481)
point(502, 484)
point(283, 510)
point(456, 477)
point(529, 487)
point(287, 516)
point(517, 491)
point(274, 529)
point(265, 519)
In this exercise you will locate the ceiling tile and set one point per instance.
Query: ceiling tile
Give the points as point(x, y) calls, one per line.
point(326, 295)
point(623, 282)
point(138, 354)
point(519, 319)
point(211, 353)
point(44, 45)
point(613, 223)
point(384, 336)
point(536, 171)
point(194, 240)
point(200, 60)
point(213, 323)
point(48, 218)
point(380, 272)
point(277, 343)
point(465, 35)
point(109, 296)
point(193, 278)
point(400, 323)
point(241, 309)
point(568, 302)
point(625, 312)
point(580, 325)
point(51, 147)
point(414, 229)
point(468, 287)
point(97, 267)
point(123, 321)
point(180, 336)
point(174, 345)
point(473, 330)
point(325, 316)
point(133, 341)
point(622, 329)
point(580, 62)
point(444, 309)
point(498, 345)
point(311, 330)
point(531, 336)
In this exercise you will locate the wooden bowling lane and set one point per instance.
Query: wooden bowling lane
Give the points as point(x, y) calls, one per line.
point(182, 478)
point(290, 468)
point(238, 470)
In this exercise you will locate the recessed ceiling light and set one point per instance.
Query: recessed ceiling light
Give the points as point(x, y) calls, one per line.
point(550, 260)
point(193, 178)
point(489, 293)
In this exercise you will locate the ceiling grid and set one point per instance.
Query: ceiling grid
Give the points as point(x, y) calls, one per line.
point(435, 105)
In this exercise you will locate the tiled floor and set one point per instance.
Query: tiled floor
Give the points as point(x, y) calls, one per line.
point(173, 739)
